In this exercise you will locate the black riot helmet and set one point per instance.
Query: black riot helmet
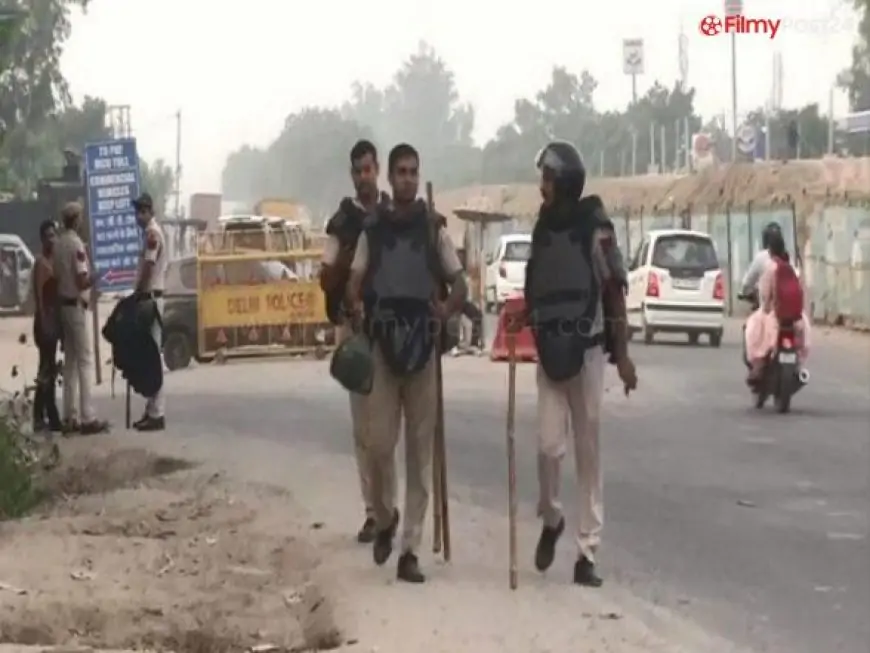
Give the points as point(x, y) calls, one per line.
point(561, 162)
point(772, 232)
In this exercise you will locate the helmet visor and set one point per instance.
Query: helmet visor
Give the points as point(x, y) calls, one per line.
point(548, 158)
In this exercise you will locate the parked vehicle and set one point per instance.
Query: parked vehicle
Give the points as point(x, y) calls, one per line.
point(180, 333)
point(506, 269)
point(675, 285)
point(16, 268)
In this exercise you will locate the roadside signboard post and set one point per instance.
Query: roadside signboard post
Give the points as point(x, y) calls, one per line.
point(112, 177)
point(112, 180)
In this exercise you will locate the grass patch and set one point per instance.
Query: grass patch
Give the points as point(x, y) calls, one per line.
point(18, 492)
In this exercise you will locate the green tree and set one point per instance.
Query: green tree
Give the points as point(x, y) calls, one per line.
point(158, 180)
point(565, 109)
point(857, 77)
point(32, 88)
point(308, 162)
point(242, 177)
point(422, 107)
point(811, 125)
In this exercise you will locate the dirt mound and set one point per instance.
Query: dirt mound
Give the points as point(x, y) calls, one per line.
point(183, 562)
point(93, 472)
point(762, 183)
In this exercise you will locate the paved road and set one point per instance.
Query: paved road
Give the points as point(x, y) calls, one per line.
point(752, 524)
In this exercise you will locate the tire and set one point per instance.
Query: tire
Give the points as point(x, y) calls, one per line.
point(648, 334)
point(785, 388)
point(694, 337)
point(716, 339)
point(177, 350)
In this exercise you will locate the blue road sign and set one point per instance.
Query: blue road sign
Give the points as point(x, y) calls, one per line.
point(112, 175)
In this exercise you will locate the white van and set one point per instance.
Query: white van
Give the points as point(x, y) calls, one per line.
point(675, 285)
point(16, 268)
point(506, 269)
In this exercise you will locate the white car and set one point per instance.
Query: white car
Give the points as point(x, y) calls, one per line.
point(506, 269)
point(675, 285)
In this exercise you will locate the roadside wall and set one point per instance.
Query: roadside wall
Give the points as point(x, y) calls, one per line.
point(832, 242)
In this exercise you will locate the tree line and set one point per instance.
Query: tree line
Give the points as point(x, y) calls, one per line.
point(38, 119)
point(308, 159)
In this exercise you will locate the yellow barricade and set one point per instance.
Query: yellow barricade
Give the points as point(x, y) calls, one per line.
point(260, 302)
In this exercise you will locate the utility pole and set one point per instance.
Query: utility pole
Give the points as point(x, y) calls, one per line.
point(177, 190)
point(733, 8)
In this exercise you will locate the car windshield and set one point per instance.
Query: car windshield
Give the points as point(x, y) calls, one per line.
point(685, 251)
point(517, 250)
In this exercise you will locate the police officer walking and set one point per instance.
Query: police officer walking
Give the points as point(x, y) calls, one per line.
point(402, 260)
point(343, 230)
point(72, 273)
point(150, 284)
point(575, 298)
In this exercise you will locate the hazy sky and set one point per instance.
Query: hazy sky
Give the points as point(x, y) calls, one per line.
point(236, 69)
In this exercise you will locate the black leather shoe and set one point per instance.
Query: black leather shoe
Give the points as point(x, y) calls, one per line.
point(383, 546)
point(152, 424)
point(409, 569)
point(546, 550)
point(584, 573)
point(139, 422)
point(368, 531)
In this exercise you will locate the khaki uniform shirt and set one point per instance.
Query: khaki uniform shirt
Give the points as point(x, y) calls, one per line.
point(69, 261)
point(154, 251)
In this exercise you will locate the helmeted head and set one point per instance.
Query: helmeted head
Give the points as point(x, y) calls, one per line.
point(772, 231)
point(563, 174)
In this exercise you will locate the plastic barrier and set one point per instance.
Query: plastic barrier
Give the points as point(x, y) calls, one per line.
point(525, 343)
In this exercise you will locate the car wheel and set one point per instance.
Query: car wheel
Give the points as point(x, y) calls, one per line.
point(177, 351)
point(648, 333)
point(715, 338)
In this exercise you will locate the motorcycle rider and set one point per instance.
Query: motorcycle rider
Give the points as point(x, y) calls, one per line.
point(750, 280)
point(774, 293)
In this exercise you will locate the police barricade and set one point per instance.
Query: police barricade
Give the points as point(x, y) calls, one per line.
point(259, 302)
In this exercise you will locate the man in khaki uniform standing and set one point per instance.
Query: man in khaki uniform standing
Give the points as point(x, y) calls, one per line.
point(150, 284)
point(343, 231)
point(402, 259)
point(574, 293)
point(74, 280)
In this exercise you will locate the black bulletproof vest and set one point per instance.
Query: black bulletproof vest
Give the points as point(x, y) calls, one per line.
point(399, 288)
point(565, 297)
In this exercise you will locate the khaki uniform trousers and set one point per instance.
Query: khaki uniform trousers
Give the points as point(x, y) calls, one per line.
point(573, 406)
point(78, 358)
point(156, 406)
point(358, 419)
point(415, 398)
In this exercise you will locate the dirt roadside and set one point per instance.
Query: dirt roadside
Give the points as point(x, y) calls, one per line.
point(138, 551)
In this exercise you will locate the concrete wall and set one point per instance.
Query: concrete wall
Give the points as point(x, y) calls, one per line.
point(832, 242)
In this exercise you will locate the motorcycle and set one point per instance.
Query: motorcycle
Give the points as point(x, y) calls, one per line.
point(782, 376)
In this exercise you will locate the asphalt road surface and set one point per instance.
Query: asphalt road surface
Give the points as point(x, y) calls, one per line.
point(752, 524)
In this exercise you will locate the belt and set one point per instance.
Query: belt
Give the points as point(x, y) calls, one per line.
point(67, 301)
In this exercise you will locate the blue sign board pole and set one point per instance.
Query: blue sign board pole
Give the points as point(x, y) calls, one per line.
point(112, 177)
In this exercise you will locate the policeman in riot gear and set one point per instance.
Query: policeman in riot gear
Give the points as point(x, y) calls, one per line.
point(574, 292)
point(343, 230)
point(403, 259)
